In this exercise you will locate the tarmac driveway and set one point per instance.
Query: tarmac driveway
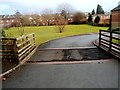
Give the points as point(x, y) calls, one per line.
point(87, 75)
point(97, 74)
point(73, 41)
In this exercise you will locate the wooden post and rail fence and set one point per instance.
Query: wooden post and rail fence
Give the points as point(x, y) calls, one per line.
point(110, 41)
point(16, 49)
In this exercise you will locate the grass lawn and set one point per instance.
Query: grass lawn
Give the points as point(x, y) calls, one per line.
point(44, 33)
point(116, 41)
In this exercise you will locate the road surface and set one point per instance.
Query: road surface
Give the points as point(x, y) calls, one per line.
point(73, 41)
point(102, 73)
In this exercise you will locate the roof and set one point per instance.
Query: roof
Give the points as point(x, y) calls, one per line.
point(101, 15)
point(116, 8)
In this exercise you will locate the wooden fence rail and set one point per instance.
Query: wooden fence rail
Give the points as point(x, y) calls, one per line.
point(110, 41)
point(16, 49)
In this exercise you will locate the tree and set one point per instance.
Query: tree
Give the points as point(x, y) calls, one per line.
point(35, 18)
point(90, 19)
point(47, 14)
point(65, 9)
point(99, 10)
point(19, 22)
point(65, 6)
point(60, 23)
point(64, 14)
point(18, 13)
point(93, 12)
point(25, 20)
point(2, 33)
point(97, 19)
point(77, 17)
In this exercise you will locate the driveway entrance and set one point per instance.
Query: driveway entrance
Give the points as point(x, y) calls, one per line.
point(91, 67)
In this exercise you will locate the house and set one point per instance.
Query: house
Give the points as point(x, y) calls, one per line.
point(104, 18)
point(115, 19)
point(6, 20)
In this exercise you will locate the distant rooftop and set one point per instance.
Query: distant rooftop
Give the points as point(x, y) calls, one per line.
point(116, 8)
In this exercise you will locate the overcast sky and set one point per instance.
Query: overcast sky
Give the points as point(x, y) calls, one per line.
point(35, 6)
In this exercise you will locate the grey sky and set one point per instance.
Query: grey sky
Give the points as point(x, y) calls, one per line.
point(35, 6)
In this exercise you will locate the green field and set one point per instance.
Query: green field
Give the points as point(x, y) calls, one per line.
point(116, 41)
point(44, 33)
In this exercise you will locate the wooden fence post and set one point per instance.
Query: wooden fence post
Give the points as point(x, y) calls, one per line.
point(110, 44)
point(34, 39)
point(23, 41)
point(27, 40)
point(15, 48)
point(99, 37)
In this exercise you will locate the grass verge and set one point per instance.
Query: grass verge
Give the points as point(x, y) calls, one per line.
point(44, 33)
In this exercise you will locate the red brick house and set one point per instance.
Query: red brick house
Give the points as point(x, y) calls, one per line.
point(104, 18)
point(115, 16)
point(7, 19)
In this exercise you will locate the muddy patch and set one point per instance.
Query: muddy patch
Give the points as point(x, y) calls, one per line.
point(69, 55)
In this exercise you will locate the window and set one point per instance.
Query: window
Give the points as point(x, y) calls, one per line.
point(7, 21)
point(12, 20)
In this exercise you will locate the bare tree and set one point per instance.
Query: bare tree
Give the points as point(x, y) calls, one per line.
point(35, 18)
point(66, 7)
point(47, 14)
point(19, 22)
point(78, 17)
point(60, 23)
point(63, 9)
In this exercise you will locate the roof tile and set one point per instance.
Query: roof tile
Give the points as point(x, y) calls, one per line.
point(116, 8)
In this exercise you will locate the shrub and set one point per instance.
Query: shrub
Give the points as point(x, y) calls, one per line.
point(115, 29)
point(96, 21)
